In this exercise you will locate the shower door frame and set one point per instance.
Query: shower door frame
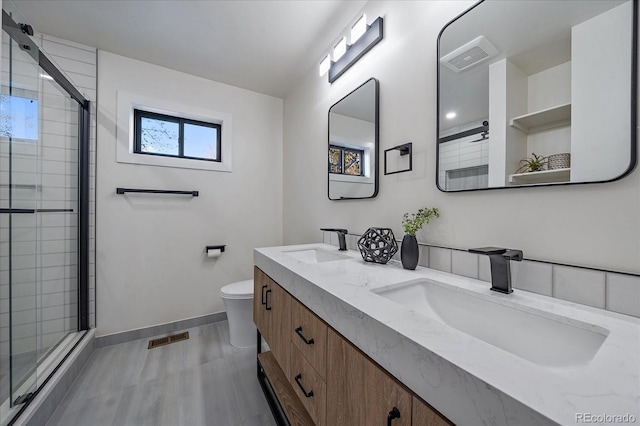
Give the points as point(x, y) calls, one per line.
point(16, 33)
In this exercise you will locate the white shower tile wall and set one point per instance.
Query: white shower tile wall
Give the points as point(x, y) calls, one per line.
point(613, 291)
point(79, 64)
point(44, 246)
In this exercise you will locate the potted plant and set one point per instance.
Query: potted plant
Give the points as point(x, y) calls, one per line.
point(535, 163)
point(409, 249)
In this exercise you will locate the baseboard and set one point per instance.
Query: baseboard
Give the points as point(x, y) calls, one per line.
point(156, 330)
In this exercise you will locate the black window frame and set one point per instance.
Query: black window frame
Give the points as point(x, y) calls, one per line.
point(139, 114)
point(343, 149)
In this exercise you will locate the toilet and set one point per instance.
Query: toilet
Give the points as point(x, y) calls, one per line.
point(238, 302)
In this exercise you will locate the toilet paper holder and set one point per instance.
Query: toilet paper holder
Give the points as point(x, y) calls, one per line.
point(208, 249)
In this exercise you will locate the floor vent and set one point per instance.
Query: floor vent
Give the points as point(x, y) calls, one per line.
point(168, 340)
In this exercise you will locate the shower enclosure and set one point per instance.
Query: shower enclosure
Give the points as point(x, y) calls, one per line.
point(44, 191)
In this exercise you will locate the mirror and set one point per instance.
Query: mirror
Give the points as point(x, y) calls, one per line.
point(353, 144)
point(537, 93)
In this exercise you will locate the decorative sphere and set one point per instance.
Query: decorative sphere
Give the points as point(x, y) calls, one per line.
point(377, 245)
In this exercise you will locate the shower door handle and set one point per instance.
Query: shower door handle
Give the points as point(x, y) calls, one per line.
point(14, 211)
point(31, 211)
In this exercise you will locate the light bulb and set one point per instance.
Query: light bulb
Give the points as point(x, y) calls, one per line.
point(359, 28)
point(339, 49)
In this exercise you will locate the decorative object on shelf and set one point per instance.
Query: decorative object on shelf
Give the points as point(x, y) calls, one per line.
point(404, 149)
point(377, 245)
point(409, 253)
point(535, 163)
point(559, 161)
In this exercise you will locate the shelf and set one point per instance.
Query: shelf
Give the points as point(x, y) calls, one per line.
point(289, 401)
point(545, 119)
point(545, 176)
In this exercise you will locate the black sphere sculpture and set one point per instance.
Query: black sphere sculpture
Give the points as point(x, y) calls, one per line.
point(377, 245)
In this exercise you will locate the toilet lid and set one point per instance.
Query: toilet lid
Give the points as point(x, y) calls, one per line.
point(239, 290)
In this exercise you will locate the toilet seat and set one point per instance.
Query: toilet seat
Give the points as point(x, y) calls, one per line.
point(238, 290)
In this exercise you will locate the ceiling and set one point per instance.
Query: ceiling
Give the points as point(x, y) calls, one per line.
point(265, 46)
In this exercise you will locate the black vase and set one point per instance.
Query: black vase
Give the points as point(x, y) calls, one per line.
point(409, 252)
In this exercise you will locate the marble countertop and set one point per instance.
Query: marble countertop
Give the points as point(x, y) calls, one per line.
point(468, 380)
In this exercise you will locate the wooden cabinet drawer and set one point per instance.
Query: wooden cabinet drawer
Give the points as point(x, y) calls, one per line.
point(309, 386)
point(424, 415)
point(260, 314)
point(272, 316)
point(279, 302)
point(309, 335)
point(386, 401)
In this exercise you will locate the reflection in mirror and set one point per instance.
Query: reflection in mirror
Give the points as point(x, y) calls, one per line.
point(537, 93)
point(353, 144)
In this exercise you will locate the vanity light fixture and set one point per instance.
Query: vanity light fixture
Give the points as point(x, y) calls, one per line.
point(359, 28)
point(325, 64)
point(340, 49)
point(451, 115)
point(363, 38)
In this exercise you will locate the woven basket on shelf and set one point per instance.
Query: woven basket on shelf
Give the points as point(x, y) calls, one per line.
point(559, 161)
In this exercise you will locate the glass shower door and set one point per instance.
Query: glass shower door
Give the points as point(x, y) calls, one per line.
point(20, 186)
point(44, 169)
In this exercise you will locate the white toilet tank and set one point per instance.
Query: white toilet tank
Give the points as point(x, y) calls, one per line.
point(238, 302)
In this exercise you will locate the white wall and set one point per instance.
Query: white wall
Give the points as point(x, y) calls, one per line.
point(507, 99)
point(547, 89)
point(594, 224)
point(151, 267)
point(600, 104)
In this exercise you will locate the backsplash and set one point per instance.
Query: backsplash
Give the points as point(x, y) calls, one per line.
point(602, 289)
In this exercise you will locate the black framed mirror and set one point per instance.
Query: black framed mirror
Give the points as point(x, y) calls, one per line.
point(535, 93)
point(353, 144)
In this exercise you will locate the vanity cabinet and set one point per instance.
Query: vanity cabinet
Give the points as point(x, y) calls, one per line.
point(309, 336)
point(360, 392)
point(272, 316)
point(324, 379)
point(423, 414)
point(310, 388)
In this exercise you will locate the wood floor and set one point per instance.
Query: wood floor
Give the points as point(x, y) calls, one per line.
point(197, 382)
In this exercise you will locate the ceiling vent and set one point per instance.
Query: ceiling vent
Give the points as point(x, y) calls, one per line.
point(472, 53)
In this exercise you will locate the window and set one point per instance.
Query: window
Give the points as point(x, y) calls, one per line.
point(164, 135)
point(345, 161)
point(18, 117)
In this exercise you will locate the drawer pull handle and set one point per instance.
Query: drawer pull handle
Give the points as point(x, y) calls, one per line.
point(393, 414)
point(307, 394)
point(266, 300)
point(304, 339)
point(262, 301)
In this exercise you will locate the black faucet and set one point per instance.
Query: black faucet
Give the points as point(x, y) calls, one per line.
point(341, 233)
point(500, 266)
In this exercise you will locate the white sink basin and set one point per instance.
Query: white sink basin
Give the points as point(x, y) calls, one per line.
point(316, 255)
point(540, 337)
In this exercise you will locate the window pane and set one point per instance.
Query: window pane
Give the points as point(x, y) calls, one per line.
point(200, 141)
point(159, 136)
point(352, 162)
point(335, 163)
point(18, 117)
